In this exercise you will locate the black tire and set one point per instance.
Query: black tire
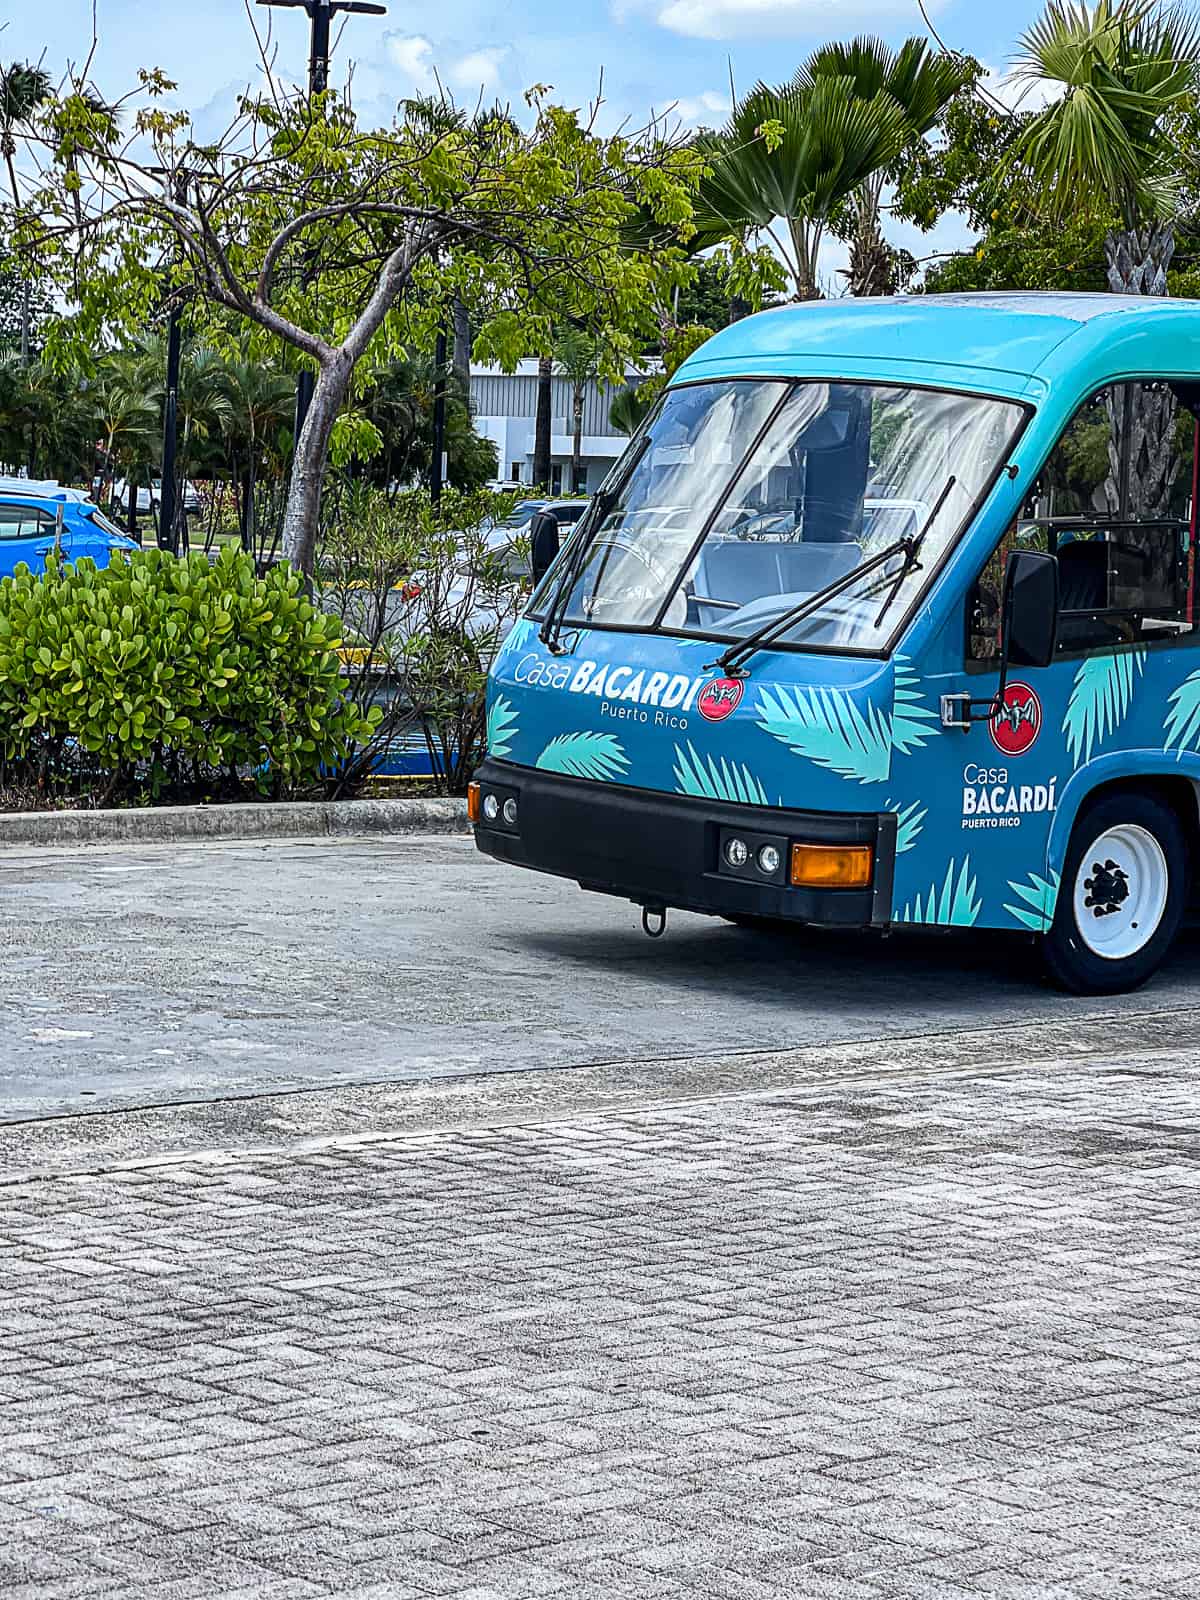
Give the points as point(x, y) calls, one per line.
point(1070, 960)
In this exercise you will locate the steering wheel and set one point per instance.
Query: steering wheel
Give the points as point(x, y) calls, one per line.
point(677, 610)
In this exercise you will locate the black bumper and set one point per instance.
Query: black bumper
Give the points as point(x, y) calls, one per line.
point(666, 849)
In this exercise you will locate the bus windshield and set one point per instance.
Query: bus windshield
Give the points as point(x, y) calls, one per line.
point(748, 496)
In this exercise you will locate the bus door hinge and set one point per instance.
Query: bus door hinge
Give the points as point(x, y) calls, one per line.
point(960, 710)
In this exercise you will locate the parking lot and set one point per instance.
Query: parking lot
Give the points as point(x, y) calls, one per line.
point(825, 1269)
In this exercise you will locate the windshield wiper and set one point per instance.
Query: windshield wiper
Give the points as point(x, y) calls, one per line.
point(734, 659)
point(910, 562)
point(576, 554)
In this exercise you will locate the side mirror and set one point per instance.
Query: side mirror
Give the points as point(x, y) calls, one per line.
point(1030, 609)
point(543, 544)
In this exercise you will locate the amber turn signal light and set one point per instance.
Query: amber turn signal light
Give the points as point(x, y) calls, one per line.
point(831, 866)
point(473, 802)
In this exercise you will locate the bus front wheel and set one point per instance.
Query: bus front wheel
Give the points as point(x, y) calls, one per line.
point(1121, 897)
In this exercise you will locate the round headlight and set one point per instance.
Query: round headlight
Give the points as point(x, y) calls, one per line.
point(768, 860)
point(491, 807)
point(510, 812)
point(737, 852)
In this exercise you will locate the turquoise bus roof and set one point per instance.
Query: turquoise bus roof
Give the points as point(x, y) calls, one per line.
point(1012, 344)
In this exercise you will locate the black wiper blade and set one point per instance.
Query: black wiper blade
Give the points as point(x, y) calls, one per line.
point(910, 562)
point(734, 659)
point(575, 556)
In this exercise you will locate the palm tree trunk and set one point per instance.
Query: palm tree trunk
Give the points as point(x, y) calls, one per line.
point(541, 426)
point(577, 438)
point(1141, 419)
point(871, 266)
point(461, 322)
point(806, 240)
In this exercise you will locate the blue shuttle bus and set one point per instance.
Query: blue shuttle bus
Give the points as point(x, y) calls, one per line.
point(887, 616)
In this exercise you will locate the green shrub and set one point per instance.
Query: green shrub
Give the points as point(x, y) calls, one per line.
point(155, 673)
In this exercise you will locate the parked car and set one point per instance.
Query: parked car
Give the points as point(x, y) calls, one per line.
point(28, 525)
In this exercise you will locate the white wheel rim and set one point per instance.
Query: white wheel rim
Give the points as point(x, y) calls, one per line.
point(1121, 891)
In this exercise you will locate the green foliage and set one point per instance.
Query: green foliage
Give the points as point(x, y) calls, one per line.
point(1123, 67)
point(424, 601)
point(155, 669)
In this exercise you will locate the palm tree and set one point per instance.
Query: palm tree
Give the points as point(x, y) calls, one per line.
point(796, 153)
point(257, 404)
point(628, 410)
point(542, 425)
point(577, 359)
point(1104, 147)
point(922, 83)
point(127, 398)
point(22, 90)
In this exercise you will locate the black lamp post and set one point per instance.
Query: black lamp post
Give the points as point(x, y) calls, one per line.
point(320, 14)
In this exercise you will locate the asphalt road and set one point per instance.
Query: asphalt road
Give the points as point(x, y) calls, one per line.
point(170, 974)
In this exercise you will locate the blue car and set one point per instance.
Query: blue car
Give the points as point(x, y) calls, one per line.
point(28, 516)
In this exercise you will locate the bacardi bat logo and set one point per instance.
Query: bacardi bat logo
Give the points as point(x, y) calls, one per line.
point(719, 698)
point(1018, 720)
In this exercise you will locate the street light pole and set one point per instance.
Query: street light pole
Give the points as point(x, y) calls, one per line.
point(320, 15)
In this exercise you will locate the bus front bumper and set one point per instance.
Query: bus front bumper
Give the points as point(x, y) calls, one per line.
point(669, 850)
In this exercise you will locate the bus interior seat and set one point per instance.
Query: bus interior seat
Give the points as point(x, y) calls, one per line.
point(741, 571)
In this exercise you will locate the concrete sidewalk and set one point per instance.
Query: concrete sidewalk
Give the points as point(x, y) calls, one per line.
point(884, 1330)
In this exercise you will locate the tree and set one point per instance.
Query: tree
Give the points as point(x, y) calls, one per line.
point(921, 83)
point(542, 422)
point(257, 406)
point(577, 356)
point(340, 241)
point(23, 89)
point(1105, 148)
point(1105, 144)
point(796, 153)
point(628, 409)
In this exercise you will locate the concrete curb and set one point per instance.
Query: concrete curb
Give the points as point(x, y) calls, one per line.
point(299, 819)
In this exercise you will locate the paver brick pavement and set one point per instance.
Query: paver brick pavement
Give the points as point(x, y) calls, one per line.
point(930, 1337)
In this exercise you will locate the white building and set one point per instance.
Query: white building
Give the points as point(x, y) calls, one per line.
point(504, 408)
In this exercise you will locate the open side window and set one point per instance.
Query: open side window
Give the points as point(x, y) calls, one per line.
point(1115, 501)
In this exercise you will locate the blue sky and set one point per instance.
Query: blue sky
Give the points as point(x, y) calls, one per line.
point(654, 52)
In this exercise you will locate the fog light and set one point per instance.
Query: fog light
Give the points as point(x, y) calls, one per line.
point(491, 807)
point(510, 812)
point(831, 866)
point(768, 860)
point(737, 852)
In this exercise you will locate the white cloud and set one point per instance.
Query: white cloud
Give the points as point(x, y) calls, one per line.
point(1017, 93)
point(413, 54)
point(708, 107)
point(478, 70)
point(732, 19)
point(423, 66)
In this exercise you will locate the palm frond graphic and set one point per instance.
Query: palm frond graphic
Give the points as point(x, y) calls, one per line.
point(908, 823)
point(954, 905)
point(501, 727)
point(912, 720)
point(520, 635)
point(702, 775)
point(1040, 896)
point(585, 755)
point(1100, 700)
point(1182, 726)
point(827, 726)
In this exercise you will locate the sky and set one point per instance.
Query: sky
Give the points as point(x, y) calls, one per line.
point(655, 54)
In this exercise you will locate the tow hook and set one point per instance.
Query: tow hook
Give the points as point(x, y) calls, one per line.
point(654, 921)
